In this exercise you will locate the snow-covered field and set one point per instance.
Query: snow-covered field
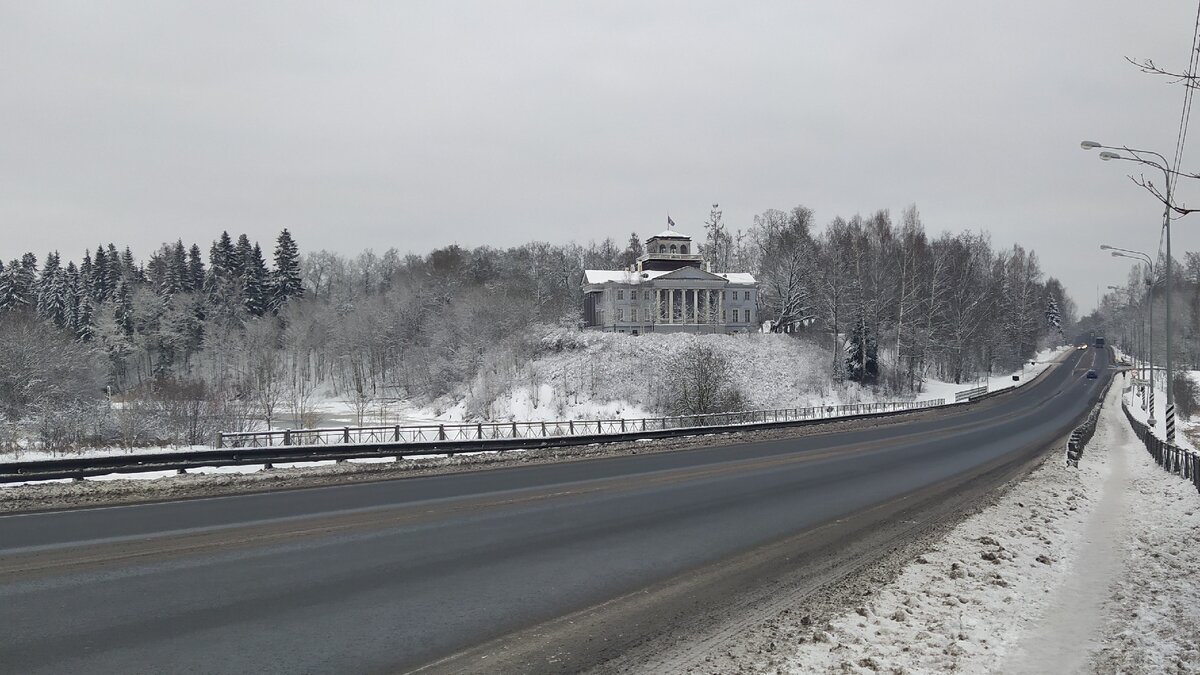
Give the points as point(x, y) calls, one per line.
point(1073, 570)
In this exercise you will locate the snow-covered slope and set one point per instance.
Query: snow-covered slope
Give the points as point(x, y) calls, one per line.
point(578, 375)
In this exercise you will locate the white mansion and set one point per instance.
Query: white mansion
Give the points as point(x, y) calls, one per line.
point(667, 291)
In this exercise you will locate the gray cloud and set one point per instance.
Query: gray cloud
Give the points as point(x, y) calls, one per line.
point(419, 124)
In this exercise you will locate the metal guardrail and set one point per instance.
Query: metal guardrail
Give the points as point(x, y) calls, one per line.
point(586, 433)
point(478, 431)
point(968, 394)
point(1172, 458)
point(1082, 434)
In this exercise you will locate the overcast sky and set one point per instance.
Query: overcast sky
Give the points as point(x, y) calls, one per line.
point(419, 124)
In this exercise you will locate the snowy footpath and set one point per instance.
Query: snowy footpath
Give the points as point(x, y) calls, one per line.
point(1088, 570)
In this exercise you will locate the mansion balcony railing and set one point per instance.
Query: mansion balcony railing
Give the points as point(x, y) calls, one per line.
point(670, 256)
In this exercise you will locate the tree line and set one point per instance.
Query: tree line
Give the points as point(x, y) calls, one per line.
point(228, 340)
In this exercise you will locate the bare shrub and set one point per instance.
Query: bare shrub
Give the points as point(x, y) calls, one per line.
point(698, 380)
point(1186, 394)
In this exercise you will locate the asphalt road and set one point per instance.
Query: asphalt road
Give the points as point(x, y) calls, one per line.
point(388, 576)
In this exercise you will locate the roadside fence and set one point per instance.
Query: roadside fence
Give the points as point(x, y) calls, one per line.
point(968, 394)
point(1172, 458)
point(434, 433)
point(1082, 434)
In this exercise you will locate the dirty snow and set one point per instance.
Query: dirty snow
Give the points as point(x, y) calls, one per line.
point(1089, 569)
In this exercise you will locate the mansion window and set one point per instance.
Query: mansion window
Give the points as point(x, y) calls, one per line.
point(620, 314)
point(620, 295)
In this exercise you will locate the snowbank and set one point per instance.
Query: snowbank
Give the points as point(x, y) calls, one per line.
point(1041, 361)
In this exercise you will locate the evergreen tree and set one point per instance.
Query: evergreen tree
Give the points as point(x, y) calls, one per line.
point(174, 270)
point(85, 324)
point(632, 251)
point(221, 286)
point(862, 366)
point(129, 268)
point(195, 270)
point(242, 253)
point(51, 291)
point(220, 257)
point(25, 288)
point(8, 287)
point(85, 275)
point(254, 282)
point(100, 288)
point(112, 273)
point(1053, 318)
point(286, 282)
point(71, 297)
point(123, 311)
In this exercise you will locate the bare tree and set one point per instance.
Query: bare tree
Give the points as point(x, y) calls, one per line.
point(699, 380)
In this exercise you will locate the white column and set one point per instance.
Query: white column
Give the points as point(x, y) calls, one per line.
point(721, 306)
point(695, 305)
point(670, 305)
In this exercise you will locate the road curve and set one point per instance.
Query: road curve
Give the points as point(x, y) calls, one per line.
point(389, 576)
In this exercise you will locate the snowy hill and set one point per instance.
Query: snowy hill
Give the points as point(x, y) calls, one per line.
point(574, 375)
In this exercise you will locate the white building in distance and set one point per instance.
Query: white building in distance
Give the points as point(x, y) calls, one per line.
point(668, 291)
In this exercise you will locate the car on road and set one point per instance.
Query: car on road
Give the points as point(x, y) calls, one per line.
point(1091, 375)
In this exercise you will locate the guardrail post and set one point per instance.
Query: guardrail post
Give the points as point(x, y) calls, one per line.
point(514, 430)
point(479, 429)
point(622, 425)
point(543, 429)
point(220, 440)
point(441, 432)
point(571, 427)
point(287, 436)
point(345, 434)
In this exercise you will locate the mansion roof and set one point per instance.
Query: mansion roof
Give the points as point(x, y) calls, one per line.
point(670, 234)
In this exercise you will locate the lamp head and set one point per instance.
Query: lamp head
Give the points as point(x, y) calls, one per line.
point(1089, 145)
point(1105, 247)
point(1106, 155)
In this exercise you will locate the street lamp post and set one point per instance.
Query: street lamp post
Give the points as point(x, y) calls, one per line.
point(1145, 258)
point(1168, 176)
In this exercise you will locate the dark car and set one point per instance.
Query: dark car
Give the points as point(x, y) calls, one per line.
point(1091, 375)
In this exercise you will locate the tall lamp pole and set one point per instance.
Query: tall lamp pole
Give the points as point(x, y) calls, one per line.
point(1136, 156)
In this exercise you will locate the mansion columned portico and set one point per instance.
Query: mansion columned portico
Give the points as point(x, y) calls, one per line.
point(668, 291)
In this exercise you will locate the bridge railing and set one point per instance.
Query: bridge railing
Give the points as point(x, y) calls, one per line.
point(477, 431)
